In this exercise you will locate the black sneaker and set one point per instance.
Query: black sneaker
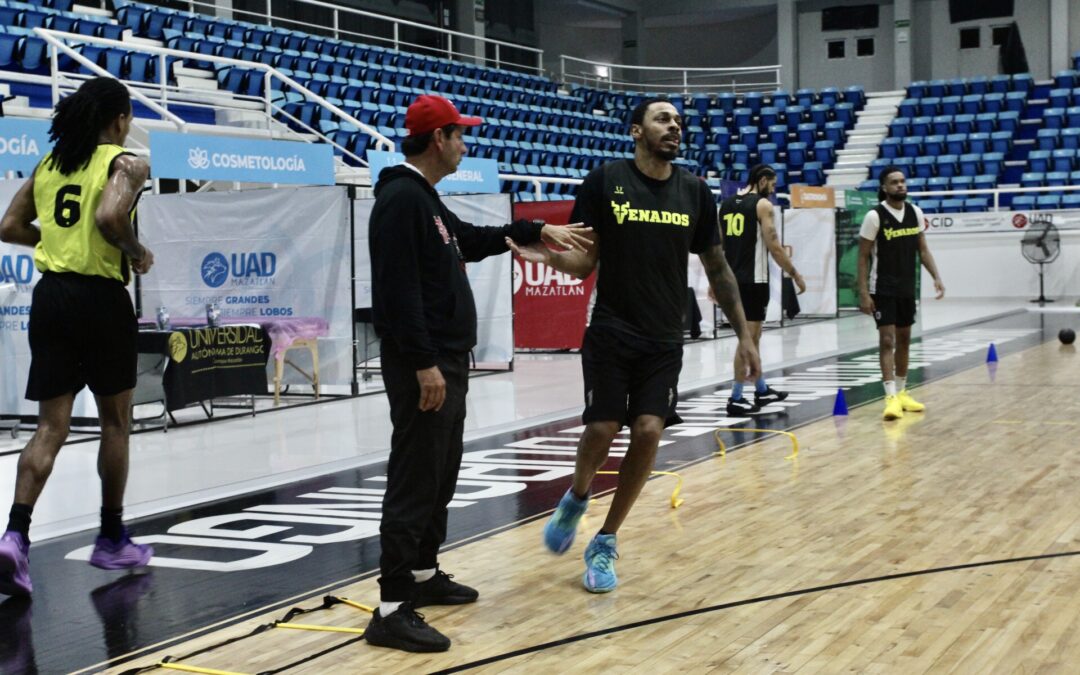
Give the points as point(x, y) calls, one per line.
point(405, 630)
point(770, 396)
point(741, 408)
point(441, 589)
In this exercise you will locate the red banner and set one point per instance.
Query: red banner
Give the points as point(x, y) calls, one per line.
point(549, 307)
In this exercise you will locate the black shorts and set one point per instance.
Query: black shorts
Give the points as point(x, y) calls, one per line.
point(627, 376)
point(890, 310)
point(755, 300)
point(82, 333)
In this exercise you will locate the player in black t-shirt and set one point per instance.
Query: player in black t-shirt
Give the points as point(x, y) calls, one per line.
point(647, 216)
point(892, 235)
point(746, 223)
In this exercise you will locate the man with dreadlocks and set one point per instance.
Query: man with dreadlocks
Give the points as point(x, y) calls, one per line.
point(82, 324)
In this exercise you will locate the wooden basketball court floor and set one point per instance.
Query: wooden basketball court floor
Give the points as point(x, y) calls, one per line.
point(947, 541)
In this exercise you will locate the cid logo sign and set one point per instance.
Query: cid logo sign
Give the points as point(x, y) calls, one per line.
point(246, 269)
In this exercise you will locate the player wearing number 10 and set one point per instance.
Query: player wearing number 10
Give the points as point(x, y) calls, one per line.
point(82, 324)
point(749, 238)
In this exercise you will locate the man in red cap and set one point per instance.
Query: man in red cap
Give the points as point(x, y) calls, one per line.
point(425, 315)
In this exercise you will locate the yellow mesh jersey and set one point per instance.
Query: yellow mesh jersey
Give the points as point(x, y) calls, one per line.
point(70, 238)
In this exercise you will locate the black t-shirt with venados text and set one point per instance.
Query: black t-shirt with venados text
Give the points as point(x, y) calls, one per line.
point(647, 228)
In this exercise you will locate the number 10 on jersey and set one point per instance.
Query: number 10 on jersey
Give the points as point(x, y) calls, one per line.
point(735, 224)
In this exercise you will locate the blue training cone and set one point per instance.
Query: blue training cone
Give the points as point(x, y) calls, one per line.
point(991, 354)
point(840, 407)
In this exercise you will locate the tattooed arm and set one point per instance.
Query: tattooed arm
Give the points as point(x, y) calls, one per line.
point(726, 290)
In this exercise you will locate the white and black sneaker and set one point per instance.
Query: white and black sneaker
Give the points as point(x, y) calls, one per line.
point(740, 407)
point(769, 397)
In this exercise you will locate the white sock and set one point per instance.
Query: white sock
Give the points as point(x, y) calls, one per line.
point(901, 383)
point(388, 608)
point(423, 575)
point(890, 387)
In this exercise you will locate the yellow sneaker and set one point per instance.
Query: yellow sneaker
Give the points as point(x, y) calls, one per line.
point(909, 404)
point(894, 410)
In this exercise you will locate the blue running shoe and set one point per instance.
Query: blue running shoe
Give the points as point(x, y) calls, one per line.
point(561, 528)
point(600, 558)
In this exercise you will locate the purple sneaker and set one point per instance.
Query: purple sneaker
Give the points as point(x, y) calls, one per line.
point(14, 565)
point(120, 555)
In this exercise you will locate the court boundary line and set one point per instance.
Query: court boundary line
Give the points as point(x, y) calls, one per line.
point(748, 601)
point(696, 391)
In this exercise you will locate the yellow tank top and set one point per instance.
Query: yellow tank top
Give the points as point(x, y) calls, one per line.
point(70, 238)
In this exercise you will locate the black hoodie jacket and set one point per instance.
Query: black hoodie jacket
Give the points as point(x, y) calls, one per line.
point(421, 299)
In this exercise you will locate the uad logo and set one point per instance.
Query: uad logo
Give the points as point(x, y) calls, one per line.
point(532, 276)
point(16, 269)
point(251, 268)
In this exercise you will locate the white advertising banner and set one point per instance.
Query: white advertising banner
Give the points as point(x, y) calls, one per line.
point(1002, 221)
point(490, 278)
point(258, 254)
point(17, 280)
point(810, 240)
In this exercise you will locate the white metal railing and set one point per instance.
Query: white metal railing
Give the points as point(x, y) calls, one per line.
point(453, 39)
point(669, 80)
point(157, 96)
point(996, 192)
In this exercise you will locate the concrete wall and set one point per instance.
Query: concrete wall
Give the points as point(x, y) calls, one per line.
point(937, 41)
point(816, 70)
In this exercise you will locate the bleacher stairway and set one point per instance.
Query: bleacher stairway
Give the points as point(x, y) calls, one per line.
point(864, 141)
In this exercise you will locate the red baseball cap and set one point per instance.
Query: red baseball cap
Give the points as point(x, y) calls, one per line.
point(429, 112)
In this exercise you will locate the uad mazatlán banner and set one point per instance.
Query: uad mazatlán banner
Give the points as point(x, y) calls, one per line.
point(550, 307)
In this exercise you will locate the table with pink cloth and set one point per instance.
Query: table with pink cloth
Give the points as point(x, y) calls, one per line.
point(284, 332)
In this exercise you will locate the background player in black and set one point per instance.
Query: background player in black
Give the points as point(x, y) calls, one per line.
point(746, 223)
point(646, 215)
point(890, 237)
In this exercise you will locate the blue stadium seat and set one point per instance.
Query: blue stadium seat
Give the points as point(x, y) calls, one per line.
point(793, 116)
point(952, 205)
point(976, 204)
point(917, 89)
point(956, 144)
point(1057, 178)
point(916, 184)
point(1000, 83)
point(1001, 141)
point(942, 125)
point(824, 152)
point(929, 106)
point(951, 105)
point(835, 132)
point(1072, 117)
point(961, 183)
point(1064, 160)
point(891, 147)
point(936, 88)
point(1066, 79)
point(929, 205)
point(796, 154)
point(755, 100)
point(900, 126)
point(805, 97)
point(993, 163)
point(1039, 161)
point(748, 136)
point(1032, 179)
point(1070, 138)
point(993, 103)
point(947, 165)
point(924, 166)
point(855, 95)
point(742, 117)
point(1060, 98)
point(1048, 202)
point(769, 116)
point(964, 124)
point(1054, 118)
point(807, 133)
point(813, 173)
point(969, 164)
point(1015, 101)
point(985, 182)
point(909, 107)
point(937, 184)
point(1023, 203)
point(829, 96)
point(768, 153)
point(956, 87)
point(934, 145)
point(1048, 139)
point(912, 146)
point(1070, 200)
point(845, 112)
point(8, 43)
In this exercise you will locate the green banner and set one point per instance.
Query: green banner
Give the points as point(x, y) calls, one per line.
point(848, 222)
